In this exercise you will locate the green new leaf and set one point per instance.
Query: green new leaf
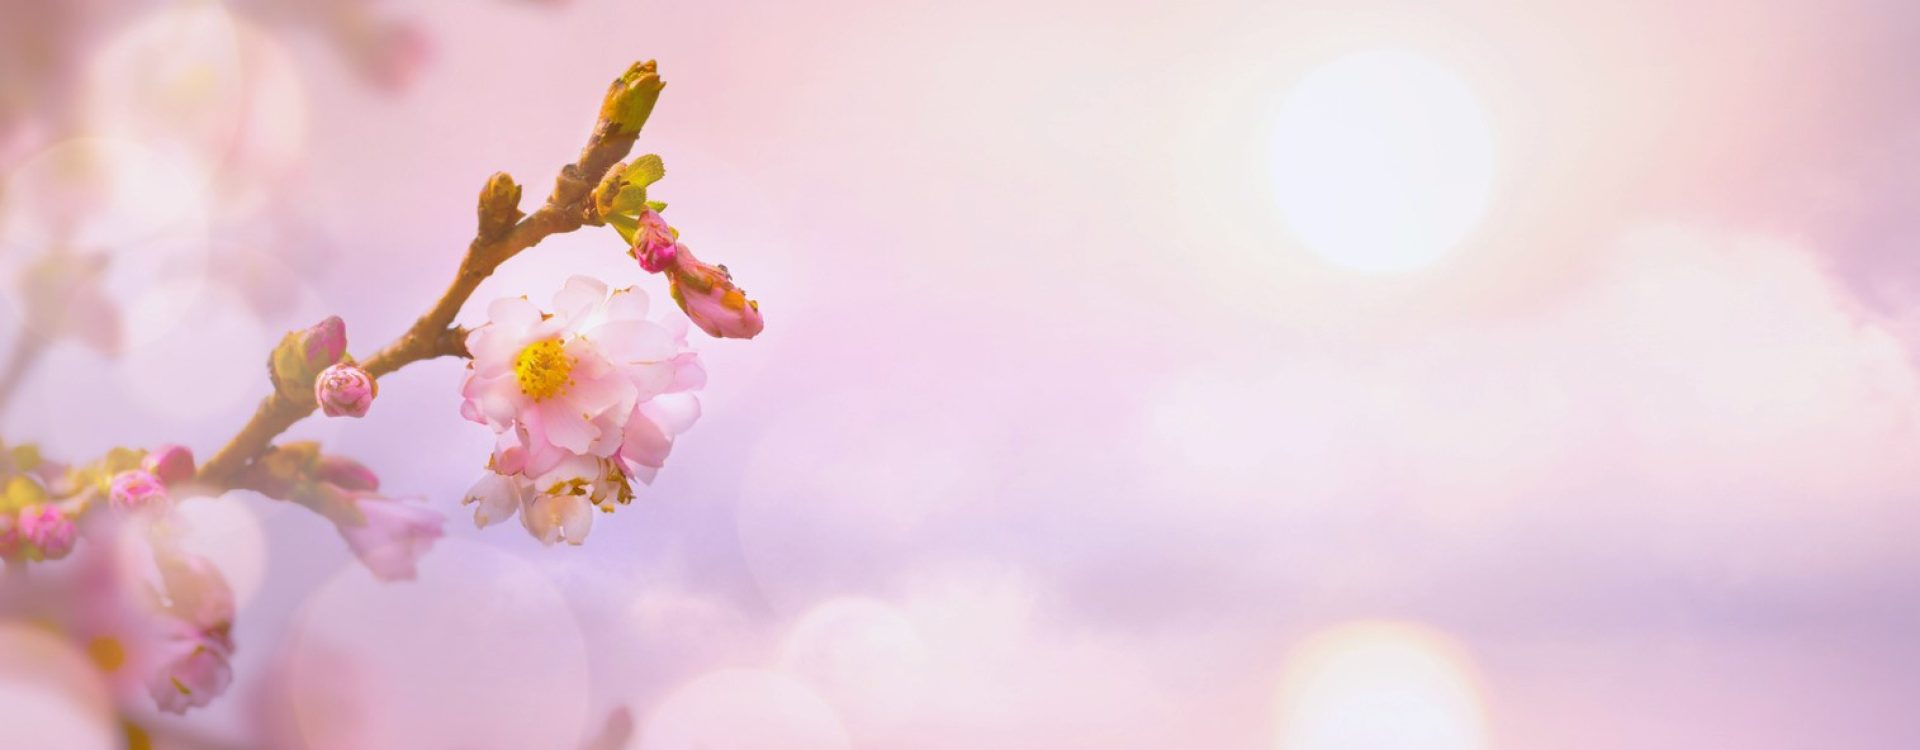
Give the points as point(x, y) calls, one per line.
point(627, 226)
point(646, 170)
point(630, 200)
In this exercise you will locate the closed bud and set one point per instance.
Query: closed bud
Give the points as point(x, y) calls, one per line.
point(47, 529)
point(708, 295)
point(170, 463)
point(499, 205)
point(345, 390)
point(137, 490)
point(631, 98)
point(302, 354)
point(654, 242)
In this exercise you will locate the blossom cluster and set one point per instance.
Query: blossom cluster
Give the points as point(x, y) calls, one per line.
point(583, 399)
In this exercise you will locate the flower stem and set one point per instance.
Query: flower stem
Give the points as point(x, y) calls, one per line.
point(568, 208)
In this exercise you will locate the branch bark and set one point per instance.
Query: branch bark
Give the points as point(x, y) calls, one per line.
point(569, 207)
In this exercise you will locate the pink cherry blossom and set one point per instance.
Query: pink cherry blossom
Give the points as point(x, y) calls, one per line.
point(345, 390)
point(137, 490)
point(556, 506)
point(565, 384)
point(554, 480)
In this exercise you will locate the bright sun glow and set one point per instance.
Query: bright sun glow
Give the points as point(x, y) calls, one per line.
point(1382, 161)
point(1380, 686)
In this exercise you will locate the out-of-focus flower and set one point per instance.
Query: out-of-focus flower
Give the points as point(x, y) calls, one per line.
point(615, 733)
point(192, 676)
point(194, 654)
point(64, 298)
point(48, 529)
point(171, 464)
point(138, 490)
point(346, 473)
point(345, 390)
point(195, 592)
point(302, 355)
point(388, 534)
point(10, 536)
point(393, 537)
point(654, 242)
point(708, 295)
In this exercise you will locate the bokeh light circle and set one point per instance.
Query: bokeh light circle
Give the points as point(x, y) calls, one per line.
point(196, 350)
point(1382, 161)
point(866, 656)
point(481, 651)
point(50, 693)
point(97, 193)
point(1378, 685)
point(744, 709)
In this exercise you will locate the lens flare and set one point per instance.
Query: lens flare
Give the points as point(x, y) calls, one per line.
point(1380, 686)
point(1382, 161)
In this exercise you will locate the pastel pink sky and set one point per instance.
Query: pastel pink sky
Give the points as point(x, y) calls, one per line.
point(1056, 436)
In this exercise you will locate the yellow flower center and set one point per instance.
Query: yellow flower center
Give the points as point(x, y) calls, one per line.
point(543, 369)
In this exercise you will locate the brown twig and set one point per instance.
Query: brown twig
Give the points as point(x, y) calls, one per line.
point(568, 208)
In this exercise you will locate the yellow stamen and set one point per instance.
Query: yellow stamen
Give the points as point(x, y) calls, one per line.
point(543, 369)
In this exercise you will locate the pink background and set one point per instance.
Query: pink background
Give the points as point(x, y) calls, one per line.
point(1056, 438)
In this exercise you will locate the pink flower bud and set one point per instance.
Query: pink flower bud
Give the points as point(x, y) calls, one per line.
point(46, 528)
point(653, 243)
point(345, 390)
point(302, 355)
point(708, 295)
point(346, 473)
point(172, 464)
point(326, 342)
point(136, 489)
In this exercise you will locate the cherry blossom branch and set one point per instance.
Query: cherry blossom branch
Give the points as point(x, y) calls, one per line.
point(503, 233)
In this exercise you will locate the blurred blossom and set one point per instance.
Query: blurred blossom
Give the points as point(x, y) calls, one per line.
point(171, 464)
point(138, 490)
point(64, 298)
point(191, 677)
point(48, 529)
point(393, 536)
point(197, 648)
